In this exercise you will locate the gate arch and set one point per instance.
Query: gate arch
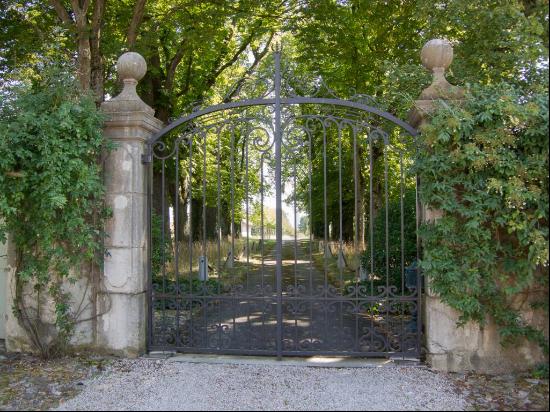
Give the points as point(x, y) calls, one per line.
point(284, 225)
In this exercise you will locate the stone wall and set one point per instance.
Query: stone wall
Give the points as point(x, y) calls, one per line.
point(82, 306)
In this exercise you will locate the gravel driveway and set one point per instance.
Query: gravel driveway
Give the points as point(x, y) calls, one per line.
point(147, 384)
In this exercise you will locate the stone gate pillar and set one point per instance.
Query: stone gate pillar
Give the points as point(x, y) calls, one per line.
point(123, 300)
point(439, 319)
point(449, 347)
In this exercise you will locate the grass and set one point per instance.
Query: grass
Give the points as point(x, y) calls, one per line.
point(219, 259)
point(329, 262)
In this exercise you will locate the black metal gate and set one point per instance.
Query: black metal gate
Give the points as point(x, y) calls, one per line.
point(284, 225)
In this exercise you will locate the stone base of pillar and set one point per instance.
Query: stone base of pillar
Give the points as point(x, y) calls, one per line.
point(471, 347)
point(122, 329)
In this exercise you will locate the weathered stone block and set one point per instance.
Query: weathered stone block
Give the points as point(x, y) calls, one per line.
point(123, 169)
point(124, 270)
point(471, 347)
point(122, 329)
point(127, 227)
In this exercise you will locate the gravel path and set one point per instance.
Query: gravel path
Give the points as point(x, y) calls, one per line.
point(146, 384)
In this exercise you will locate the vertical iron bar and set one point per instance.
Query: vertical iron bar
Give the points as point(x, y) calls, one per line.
point(418, 276)
point(262, 274)
point(247, 216)
point(248, 291)
point(176, 239)
point(219, 236)
point(150, 303)
point(325, 244)
point(279, 214)
point(232, 249)
point(325, 212)
point(371, 216)
point(402, 223)
point(295, 258)
point(262, 216)
point(163, 240)
point(356, 243)
point(387, 246)
point(190, 220)
point(356, 173)
point(218, 206)
point(232, 189)
point(340, 258)
point(204, 195)
point(310, 226)
point(371, 230)
point(386, 201)
point(204, 249)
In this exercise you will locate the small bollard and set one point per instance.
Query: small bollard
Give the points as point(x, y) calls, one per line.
point(362, 273)
point(203, 269)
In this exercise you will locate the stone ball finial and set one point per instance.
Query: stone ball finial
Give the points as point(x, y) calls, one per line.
point(437, 53)
point(131, 68)
point(131, 65)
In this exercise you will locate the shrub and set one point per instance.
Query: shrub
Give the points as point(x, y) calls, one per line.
point(51, 196)
point(485, 164)
point(161, 251)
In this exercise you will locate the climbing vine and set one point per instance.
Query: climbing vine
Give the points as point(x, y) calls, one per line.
point(51, 200)
point(484, 163)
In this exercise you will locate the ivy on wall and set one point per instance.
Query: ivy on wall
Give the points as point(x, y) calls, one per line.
point(485, 164)
point(51, 198)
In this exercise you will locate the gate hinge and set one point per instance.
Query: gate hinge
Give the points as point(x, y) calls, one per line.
point(146, 158)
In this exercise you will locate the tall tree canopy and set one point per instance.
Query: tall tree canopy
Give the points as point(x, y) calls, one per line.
point(194, 50)
point(192, 47)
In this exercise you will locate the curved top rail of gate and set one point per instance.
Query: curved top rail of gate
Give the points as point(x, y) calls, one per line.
point(357, 103)
point(285, 101)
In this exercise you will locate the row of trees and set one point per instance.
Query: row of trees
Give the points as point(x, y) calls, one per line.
point(195, 51)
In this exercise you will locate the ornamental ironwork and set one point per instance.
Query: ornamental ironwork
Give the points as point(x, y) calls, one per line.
point(284, 224)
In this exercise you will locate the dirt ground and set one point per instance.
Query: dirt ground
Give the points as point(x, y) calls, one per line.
point(30, 383)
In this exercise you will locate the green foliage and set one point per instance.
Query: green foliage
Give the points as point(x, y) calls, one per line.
point(161, 252)
point(541, 371)
point(494, 40)
point(485, 164)
point(186, 285)
point(51, 193)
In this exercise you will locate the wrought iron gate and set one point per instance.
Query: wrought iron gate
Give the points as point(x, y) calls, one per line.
point(284, 225)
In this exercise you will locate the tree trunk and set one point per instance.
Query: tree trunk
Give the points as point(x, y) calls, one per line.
point(347, 221)
point(183, 201)
point(196, 219)
point(137, 16)
point(359, 242)
point(96, 63)
point(211, 222)
point(83, 43)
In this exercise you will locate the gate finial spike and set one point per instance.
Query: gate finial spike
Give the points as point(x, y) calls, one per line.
point(277, 46)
